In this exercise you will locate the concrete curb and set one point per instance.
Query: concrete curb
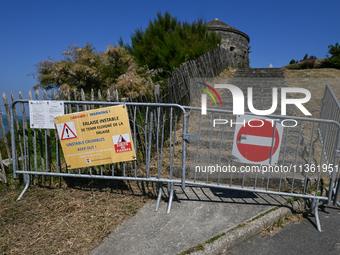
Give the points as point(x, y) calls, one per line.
point(253, 228)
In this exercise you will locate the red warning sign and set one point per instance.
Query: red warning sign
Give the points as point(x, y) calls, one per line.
point(254, 143)
point(68, 131)
point(122, 143)
point(254, 139)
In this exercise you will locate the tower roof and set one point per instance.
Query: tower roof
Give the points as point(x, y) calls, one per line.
point(217, 25)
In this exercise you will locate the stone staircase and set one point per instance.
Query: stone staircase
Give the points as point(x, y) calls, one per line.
point(262, 80)
point(260, 73)
point(214, 145)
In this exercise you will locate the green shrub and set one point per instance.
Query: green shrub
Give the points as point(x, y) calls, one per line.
point(293, 62)
point(334, 60)
point(295, 66)
point(308, 63)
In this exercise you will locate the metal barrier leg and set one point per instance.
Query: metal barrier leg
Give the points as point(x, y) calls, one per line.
point(168, 188)
point(170, 197)
point(160, 187)
point(316, 213)
point(335, 198)
point(27, 180)
point(331, 192)
point(312, 206)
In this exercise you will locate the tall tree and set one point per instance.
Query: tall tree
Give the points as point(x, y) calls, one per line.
point(168, 42)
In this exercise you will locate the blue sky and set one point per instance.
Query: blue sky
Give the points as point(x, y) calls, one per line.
point(279, 31)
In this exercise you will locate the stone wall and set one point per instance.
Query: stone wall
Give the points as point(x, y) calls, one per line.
point(236, 44)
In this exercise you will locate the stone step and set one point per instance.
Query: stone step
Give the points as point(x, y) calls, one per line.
point(260, 72)
point(260, 83)
point(258, 75)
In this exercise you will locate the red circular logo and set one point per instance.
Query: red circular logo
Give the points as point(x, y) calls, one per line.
point(255, 145)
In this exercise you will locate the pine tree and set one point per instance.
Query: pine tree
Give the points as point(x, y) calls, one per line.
point(168, 42)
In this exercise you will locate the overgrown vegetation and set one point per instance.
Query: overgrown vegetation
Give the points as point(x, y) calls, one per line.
point(307, 63)
point(85, 68)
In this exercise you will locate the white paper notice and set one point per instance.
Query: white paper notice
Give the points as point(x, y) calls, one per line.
point(42, 113)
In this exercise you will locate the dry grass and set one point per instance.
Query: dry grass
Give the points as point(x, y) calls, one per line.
point(315, 81)
point(313, 73)
point(227, 73)
point(67, 220)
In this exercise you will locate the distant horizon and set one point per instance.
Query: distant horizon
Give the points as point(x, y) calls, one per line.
point(5, 120)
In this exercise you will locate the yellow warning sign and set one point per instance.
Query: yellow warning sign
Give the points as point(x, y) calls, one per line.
point(96, 137)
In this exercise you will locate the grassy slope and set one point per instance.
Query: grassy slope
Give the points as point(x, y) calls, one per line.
point(315, 81)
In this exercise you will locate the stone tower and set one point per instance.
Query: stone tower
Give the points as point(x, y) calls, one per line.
point(233, 40)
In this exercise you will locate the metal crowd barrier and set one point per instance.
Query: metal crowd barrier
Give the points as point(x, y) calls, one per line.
point(301, 165)
point(308, 153)
point(330, 110)
point(154, 130)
